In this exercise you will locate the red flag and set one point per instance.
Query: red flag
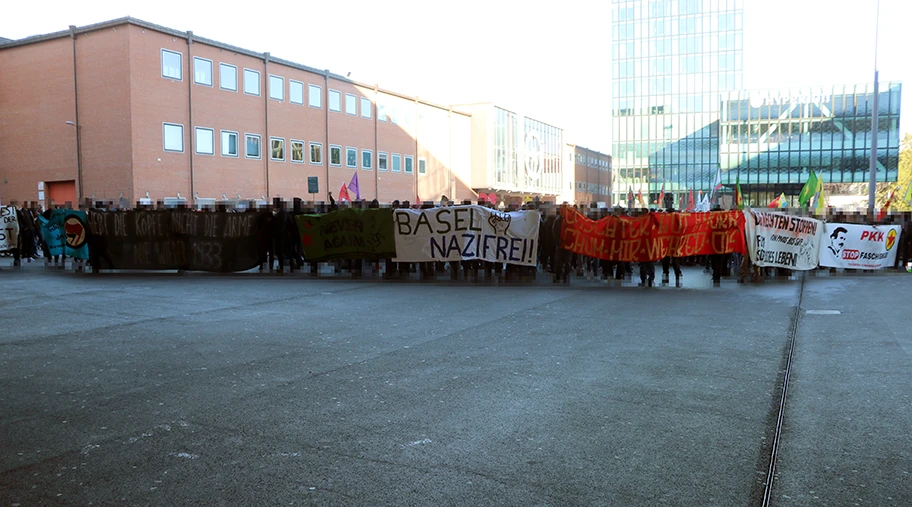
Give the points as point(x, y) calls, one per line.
point(343, 194)
point(661, 201)
point(883, 211)
point(775, 203)
point(690, 202)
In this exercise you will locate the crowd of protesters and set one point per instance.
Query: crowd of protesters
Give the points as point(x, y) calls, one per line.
point(285, 245)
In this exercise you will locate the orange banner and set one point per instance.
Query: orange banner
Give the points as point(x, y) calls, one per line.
point(653, 236)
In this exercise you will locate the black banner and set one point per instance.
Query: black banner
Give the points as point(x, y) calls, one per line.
point(178, 239)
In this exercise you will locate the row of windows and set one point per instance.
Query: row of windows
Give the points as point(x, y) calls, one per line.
point(679, 26)
point(228, 80)
point(593, 162)
point(173, 140)
point(664, 66)
point(659, 8)
point(592, 188)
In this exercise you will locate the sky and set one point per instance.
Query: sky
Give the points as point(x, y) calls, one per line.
point(547, 60)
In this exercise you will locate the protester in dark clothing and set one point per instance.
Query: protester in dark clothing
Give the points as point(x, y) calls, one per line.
point(561, 255)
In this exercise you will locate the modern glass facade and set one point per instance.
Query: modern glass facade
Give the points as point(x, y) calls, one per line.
point(527, 154)
point(770, 140)
point(672, 59)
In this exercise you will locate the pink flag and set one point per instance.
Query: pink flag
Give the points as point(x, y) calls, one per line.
point(353, 186)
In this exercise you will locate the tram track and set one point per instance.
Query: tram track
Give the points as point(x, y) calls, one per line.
point(762, 493)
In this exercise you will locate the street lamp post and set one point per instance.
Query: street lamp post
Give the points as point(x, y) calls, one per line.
point(872, 173)
point(78, 161)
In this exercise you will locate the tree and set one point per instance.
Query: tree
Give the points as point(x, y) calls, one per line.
point(904, 176)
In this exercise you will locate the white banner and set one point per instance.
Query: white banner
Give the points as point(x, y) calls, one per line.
point(458, 233)
point(783, 241)
point(859, 246)
point(9, 228)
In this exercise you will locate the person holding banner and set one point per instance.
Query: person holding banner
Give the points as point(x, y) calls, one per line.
point(561, 255)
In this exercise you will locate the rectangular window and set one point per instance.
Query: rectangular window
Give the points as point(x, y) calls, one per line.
point(276, 87)
point(365, 107)
point(351, 157)
point(408, 165)
point(316, 153)
point(277, 148)
point(171, 64)
point(367, 160)
point(335, 155)
point(253, 145)
point(251, 82)
point(202, 71)
point(229, 144)
point(335, 101)
point(228, 77)
point(315, 94)
point(351, 104)
point(295, 92)
point(397, 163)
point(205, 141)
point(422, 166)
point(173, 137)
point(382, 161)
point(297, 150)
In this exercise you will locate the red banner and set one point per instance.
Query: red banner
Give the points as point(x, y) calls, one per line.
point(653, 236)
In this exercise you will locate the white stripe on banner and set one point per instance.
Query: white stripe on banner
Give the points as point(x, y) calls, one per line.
point(859, 246)
point(9, 228)
point(458, 233)
point(782, 241)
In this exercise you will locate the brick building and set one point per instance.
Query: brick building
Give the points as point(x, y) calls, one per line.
point(125, 111)
point(591, 175)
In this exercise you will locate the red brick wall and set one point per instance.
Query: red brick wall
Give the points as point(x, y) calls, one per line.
point(103, 68)
point(124, 101)
point(155, 100)
point(36, 99)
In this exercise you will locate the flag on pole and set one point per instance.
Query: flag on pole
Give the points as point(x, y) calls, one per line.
point(808, 191)
point(343, 194)
point(739, 198)
point(704, 203)
point(778, 202)
point(886, 206)
point(821, 198)
point(908, 197)
point(661, 201)
point(353, 186)
point(717, 184)
point(640, 198)
point(691, 206)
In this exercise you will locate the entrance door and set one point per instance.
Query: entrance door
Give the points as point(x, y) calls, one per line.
point(61, 192)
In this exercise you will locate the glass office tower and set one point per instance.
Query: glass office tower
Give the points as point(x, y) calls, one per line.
point(770, 140)
point(671, 61)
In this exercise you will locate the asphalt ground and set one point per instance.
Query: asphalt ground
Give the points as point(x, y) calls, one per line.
point(257, 389)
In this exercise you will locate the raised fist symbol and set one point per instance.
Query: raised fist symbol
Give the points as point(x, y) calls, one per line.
point(500, 223)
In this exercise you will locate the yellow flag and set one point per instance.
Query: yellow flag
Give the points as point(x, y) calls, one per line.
point(821, 200)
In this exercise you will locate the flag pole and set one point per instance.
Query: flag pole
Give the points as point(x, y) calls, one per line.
point(872, 173)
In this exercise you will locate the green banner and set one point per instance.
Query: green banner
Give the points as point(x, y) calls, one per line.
point(347, 233)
